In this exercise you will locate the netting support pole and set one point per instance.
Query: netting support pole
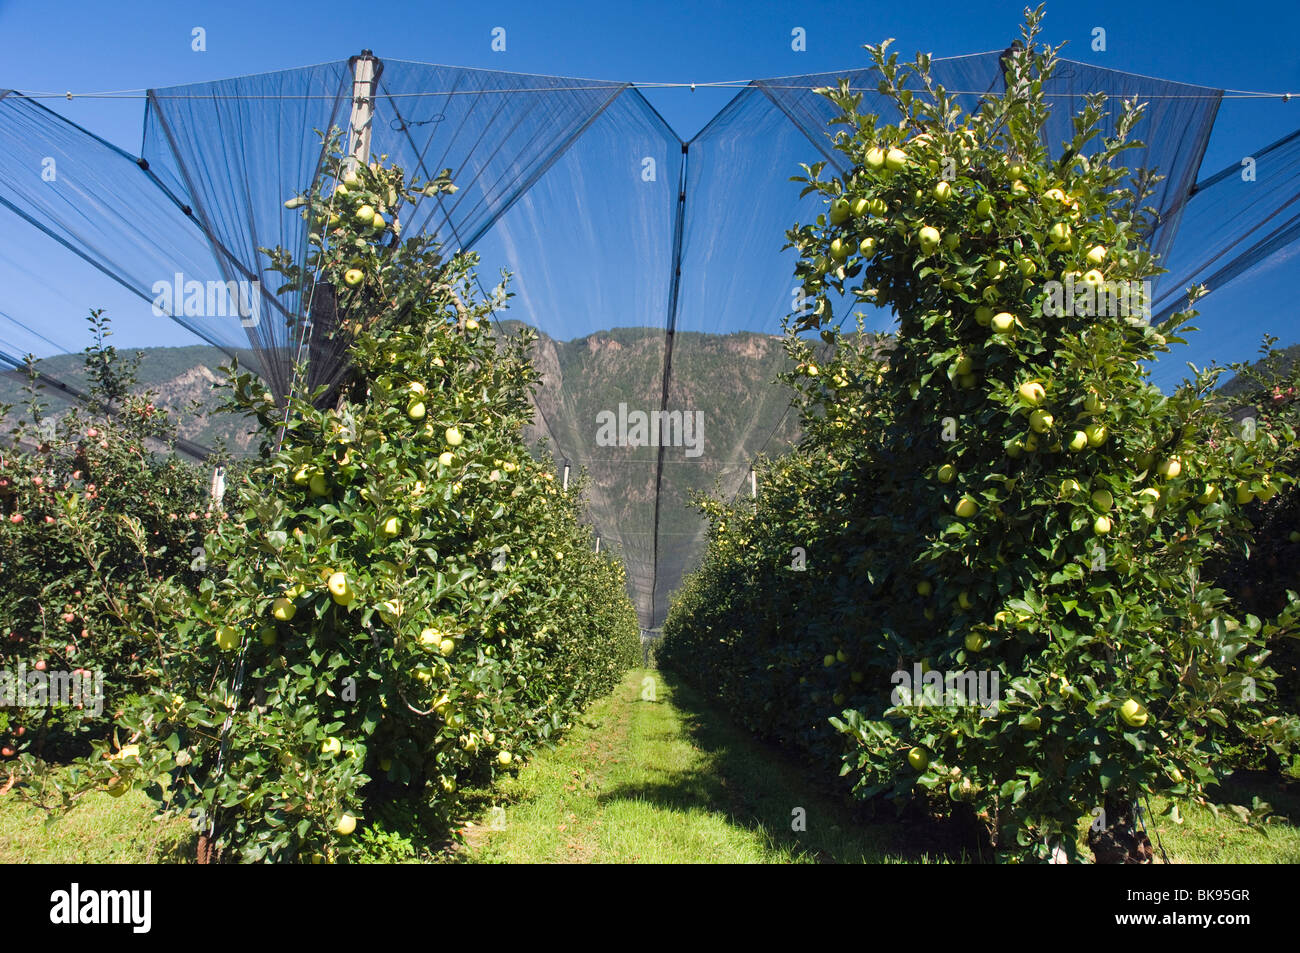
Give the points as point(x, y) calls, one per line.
point(566, 478)
point(363, 110)
point(753, 484)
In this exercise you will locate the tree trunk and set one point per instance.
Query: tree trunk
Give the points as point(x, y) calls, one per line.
point(1119, 841)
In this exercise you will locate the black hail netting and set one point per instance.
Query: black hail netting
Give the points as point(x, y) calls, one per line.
point(652, 267)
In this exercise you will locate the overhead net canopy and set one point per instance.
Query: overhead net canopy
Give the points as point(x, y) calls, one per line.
point(652, 268)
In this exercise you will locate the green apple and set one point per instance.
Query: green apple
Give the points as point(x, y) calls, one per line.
point(995, 268)
point(1150, 495)
point(1096, 255)
point(430, 636)
point(504, 758)
point(942, 191)
point(841, 655)
point(346, 825)
point(1101, 526)
point(983, 316)
point(340, 588)
point(283, 609)
point(1093, 403)
point(227, 638)
point(1070, 487)
point(875, 157)
point(1078, 441)
point(385, 764)
point(965, 507)
point(353, 276)
point(302, 476)
point(415, 410)
point(828, 660)
point(860, 207)
point(919, 759)
point(1103, 500)
point(318, 485)
point(365, 215)
point(453, 437)
point(946, 473)
point(1093, 278)
point(839, 249)
point(839, 211)
point(446, 647)
point(267, 635)
point(1002, 323)
point(1026, 266)
point(1267, 489)
point(1059, 233)
point(1133, 713)
point(1096, 434)
point(1040, 421)
point(923, 588)
point(1210, 494)
point(975, 641)
point(964, 600)
point(331, 746)
point(1244, 494)
point(929, 239)
point(1032, 393)
point(895, 159)
point(867, 247)
point(984, 208)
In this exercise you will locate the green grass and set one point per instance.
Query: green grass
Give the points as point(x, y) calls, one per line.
point(100, 829)
point(1203, 838)
point(657, 782)
point(668, 780)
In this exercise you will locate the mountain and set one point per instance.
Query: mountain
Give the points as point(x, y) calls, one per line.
point(721, 385)
point(183, 378)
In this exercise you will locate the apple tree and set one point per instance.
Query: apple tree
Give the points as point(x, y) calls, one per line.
point(403, 600)
point(1003, 494)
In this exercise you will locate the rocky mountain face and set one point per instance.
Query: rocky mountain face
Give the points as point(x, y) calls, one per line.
point(599, 410)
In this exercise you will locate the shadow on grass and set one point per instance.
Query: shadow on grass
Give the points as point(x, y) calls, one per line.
point(760, 787)
point(1242, 787)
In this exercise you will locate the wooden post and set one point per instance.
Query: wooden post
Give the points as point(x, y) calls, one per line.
point(363, 110)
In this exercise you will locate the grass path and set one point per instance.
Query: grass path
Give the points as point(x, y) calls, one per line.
point(654, 774)
point(651, 781)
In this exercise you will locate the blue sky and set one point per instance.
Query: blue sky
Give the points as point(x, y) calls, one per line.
point(93, 46)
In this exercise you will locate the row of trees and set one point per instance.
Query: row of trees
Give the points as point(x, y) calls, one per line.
point(397, 599)
point(977, 586)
